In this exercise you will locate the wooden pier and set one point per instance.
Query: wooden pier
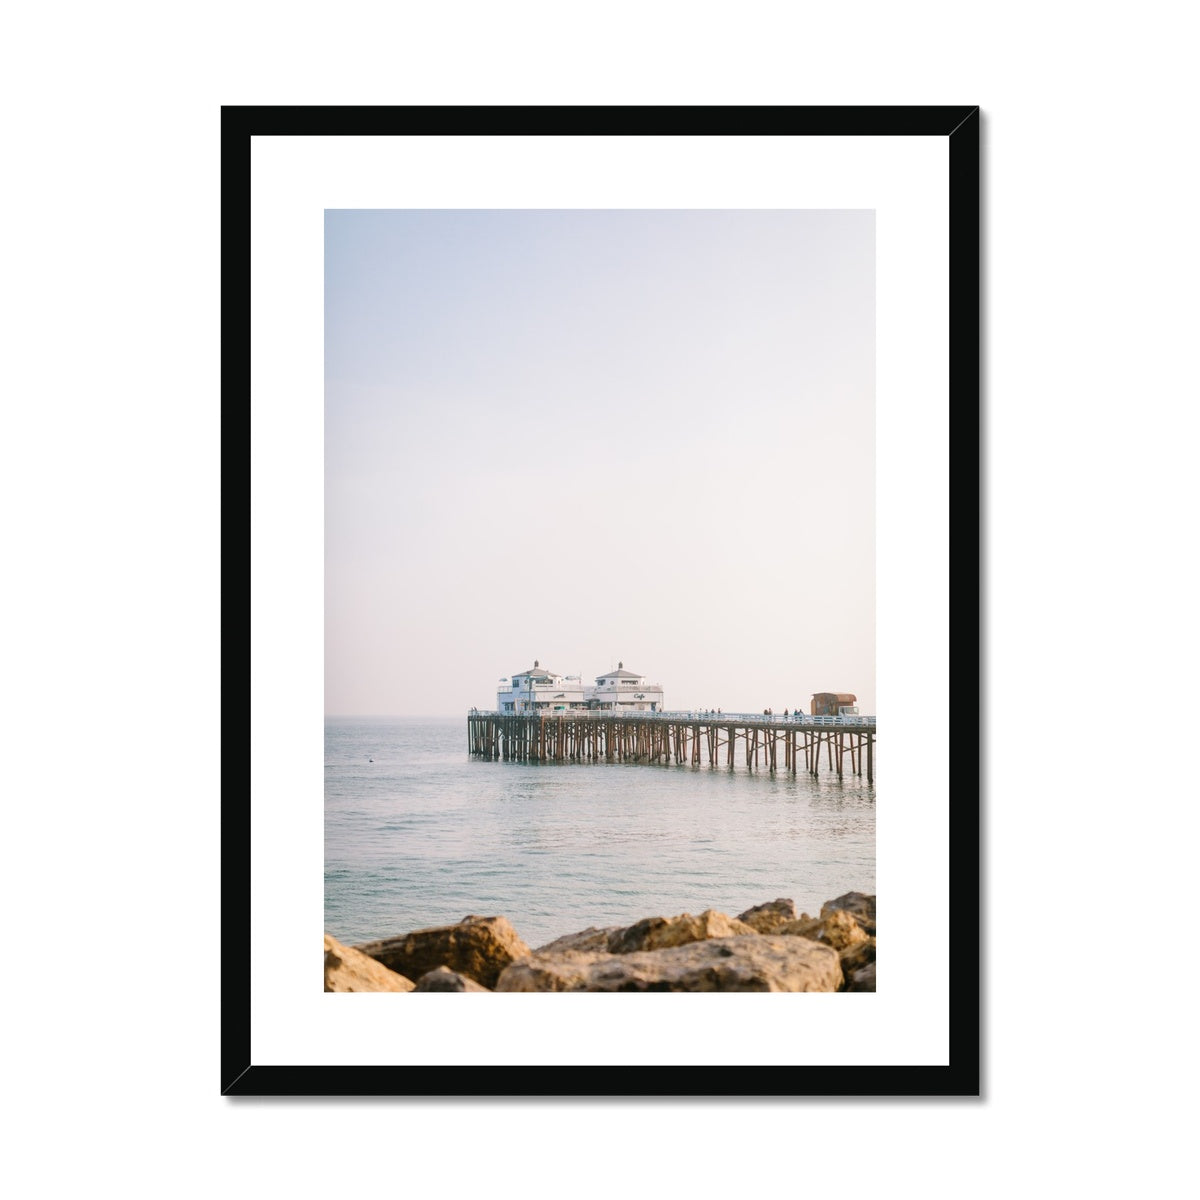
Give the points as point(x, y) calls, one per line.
point(695, 739)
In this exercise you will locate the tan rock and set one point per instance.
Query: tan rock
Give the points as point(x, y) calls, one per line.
point(855, 957)
point(587, 939)
point(659, 933)
point(349, 970)
point(561, 971)
point(478, 947)
point(835, 928)
point(762, 963)
point(767, 918)
point(858, 905)
point(445, 980)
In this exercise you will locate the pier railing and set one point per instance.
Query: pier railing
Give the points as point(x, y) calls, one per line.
point(670, 717)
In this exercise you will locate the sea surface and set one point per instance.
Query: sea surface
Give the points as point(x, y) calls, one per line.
point(420, 833)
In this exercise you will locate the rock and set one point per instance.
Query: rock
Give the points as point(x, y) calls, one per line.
point(762, 963)
point(445, 980)
point(562, 971)
point(349, 970)
point(587, 939)
point(766, 918)
point(863, 980)
point(857, 904)
point(835, 927)
point(859, 955)
point(659, 933)
point(478, 947)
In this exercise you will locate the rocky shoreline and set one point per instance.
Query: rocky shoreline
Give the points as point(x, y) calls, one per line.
point(767, 948)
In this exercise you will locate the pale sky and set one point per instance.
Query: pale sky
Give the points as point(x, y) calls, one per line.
point(586, 437)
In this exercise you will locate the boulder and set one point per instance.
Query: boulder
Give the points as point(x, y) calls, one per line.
point(561, 971)
point(659, 933)
point(767, 918)
point(478, 947)
point(858, 905)
point(855, 957)
point(445, 980)
point(349, 970)
point(762, 963)
point(835, 927)
point(590, 938)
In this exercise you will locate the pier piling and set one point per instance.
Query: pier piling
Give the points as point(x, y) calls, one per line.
point(683, 738)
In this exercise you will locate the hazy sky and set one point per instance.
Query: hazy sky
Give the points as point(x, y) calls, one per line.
point(586, 437)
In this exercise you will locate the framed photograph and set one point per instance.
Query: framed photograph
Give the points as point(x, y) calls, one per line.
point(610, 494)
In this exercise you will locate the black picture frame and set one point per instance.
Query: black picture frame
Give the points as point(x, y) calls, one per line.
point(960, 126)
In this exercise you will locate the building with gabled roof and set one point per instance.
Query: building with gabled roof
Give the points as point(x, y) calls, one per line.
point(625, 691)
point(538, 689)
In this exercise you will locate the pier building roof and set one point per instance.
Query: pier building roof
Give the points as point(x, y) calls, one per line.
point(619, 673)
point(537, 672)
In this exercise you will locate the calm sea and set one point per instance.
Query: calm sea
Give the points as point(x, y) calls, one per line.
point(419, 833)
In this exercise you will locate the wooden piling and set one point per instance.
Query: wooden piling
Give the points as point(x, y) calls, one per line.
point(668, 740)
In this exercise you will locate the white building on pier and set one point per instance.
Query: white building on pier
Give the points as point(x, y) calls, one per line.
point(540, 690)
point(625, 691)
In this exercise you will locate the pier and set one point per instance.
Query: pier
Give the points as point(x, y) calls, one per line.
point(767, 742)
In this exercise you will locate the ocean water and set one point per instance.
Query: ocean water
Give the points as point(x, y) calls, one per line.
point(420, 833)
